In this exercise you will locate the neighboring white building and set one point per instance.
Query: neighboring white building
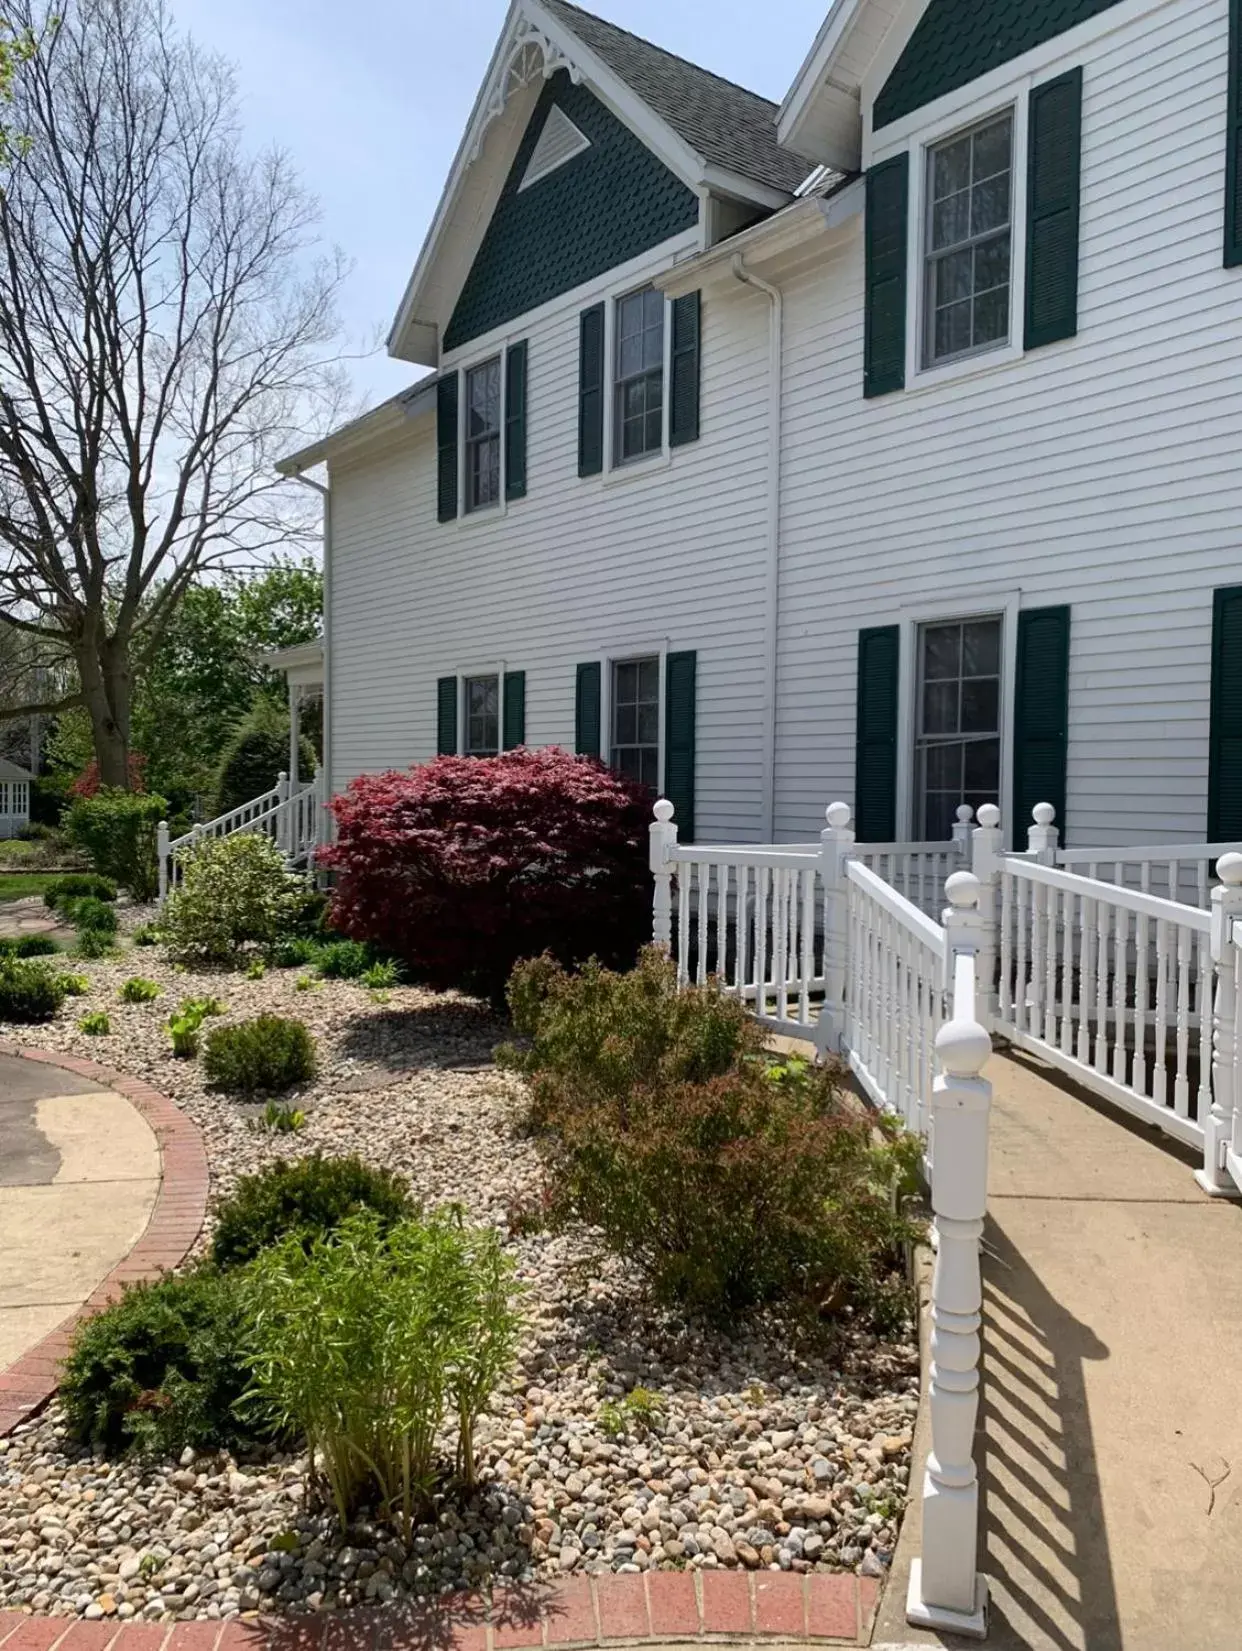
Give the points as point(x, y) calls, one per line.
point(14, 798)
point(883, 446)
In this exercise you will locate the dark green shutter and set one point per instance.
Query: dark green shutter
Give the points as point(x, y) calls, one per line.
point(515, 710)
point(1233, 142)
point(884, 349)
point(515, 421)
point(591, 391)
point(1041, 716)
point(680, 673)
point(1225, 744)
point(684, 395)
point(875, 739)
point(587, 706)
point(446, 448)
point(446, 716)
point(1053, 175)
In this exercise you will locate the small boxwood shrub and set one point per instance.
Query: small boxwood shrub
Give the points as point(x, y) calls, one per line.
point(89, 913)
point(28, 945)
point(92, 943)
point(118, 830)
point(235, 891)
point(30, 991)
point(74, 885)
point(343, 960)
point(162, 1368)
point(269, 1052)
point(308, 1197)
point(461, 867)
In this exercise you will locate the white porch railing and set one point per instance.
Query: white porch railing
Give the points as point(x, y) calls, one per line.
point(292, 817)
point(1181, 871)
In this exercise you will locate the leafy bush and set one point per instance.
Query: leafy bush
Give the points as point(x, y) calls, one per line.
point(306, 1199)
point(184, 1026)
point(730, 1178)
point(146, 934)
point(89, 913)
point(256, 756)
point(256, 969)
point(293, 952)
point(138, 990)
point(93, 943)
point(370, 1342)
point(28, 945)
point(380, 975)
point(75, 885)
point(343, 960)
point(269, 1052)
point(118, 830)
point(29, 991)
point(234, 891)
point(161, 1368)
point(463, 866)
point(95, 1024)
point(74, 985)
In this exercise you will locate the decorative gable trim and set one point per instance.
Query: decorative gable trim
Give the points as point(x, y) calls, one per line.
point(558, 143)
point(527, 54)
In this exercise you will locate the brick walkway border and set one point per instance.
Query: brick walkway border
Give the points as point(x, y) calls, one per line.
point(176, 1220)
point(710, 1607)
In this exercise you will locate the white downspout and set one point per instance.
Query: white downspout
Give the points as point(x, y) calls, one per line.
point(772, 568)
point(326, 761)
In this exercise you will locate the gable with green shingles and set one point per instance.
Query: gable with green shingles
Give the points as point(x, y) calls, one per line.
point(608, 204)
point(956, 41)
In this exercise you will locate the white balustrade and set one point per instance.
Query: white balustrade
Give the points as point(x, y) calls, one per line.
point(1178, 871)
point(291, 818)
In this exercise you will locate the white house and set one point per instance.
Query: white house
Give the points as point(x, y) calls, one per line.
point(882, 445)
point(14, 798)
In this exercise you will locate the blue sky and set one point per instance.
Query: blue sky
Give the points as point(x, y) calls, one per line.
point(370, 99)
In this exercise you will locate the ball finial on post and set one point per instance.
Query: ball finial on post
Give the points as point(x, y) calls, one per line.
point(1043, 814)
point(962, 890)
point(1229, 870)
point(664, 811)
point(988, 815)
point(837, 815)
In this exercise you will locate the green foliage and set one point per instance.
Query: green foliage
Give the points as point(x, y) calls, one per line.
point(235, 891)
point(731, 1179)
point(118, 830)
point(256, 756)
point(305, 1199)
point(293, 952)
point(639, 1412)
point(75, 885)
point(380, 976)
point(282, 1120)
point(343, 960)
point(256, 969)
point(306, 983)
point(30, 991)
point(269, 1052)
point(89, 913)
point(28, 945)
point(93, 943)
point(185, 1026)
point(138, 990)
point(75, 985)
point(146, 934)
point(95, 1024)
point(371, 1341)
point(161, 1368)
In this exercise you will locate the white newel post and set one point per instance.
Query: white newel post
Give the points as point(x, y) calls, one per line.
point(962, 829)
point(282, 819)
point(1222, 1123)
point(663, 840)
point(161, 850)
point(946, 1590)
point(836, 844)
point(987, 846)
point(1041, 838)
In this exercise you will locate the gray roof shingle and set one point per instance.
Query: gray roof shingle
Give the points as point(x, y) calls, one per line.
point(724, 123)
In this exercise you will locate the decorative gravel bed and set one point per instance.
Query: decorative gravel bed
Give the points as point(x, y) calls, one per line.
point(734, 1452)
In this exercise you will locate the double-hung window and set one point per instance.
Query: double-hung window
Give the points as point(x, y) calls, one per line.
point(483, 435)
point(638, 379)
point(969, 241)
point(481, 715)
point(958, 737)
point(636, 719)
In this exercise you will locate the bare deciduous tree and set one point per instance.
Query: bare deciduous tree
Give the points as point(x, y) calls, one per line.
point(164, 318)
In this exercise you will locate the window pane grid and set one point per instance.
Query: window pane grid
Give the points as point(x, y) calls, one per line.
point(635, 744)
point(957, 745)
point(969, 241)
point(639, 375)
point(483, 435)
point(481, 698)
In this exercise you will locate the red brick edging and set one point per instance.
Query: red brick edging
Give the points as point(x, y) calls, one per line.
point(176, 1220)
point(705, 1606)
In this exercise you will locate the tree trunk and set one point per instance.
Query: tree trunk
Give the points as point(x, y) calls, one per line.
point(106, 692)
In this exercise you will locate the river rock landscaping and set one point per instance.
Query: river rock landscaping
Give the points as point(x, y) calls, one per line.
point(630, 1438)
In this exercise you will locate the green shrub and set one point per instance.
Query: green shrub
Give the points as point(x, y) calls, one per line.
point(74, 985)
point(95, 1024)
point(89, 913)
point(138, 990)
point(257, 754)
point(293, 952)
point(269, 1052)
point(307, 1198)
point(118, 830)
point(146, 934)
point(380, 976)
point(29, 945)
point(162, 1368)
point(256, 969)
point(343, 960)
point(74, 885)
point(729, 1178)
point(29, 990)
point(235, 891)
point(92, 943)
point(371, 1342)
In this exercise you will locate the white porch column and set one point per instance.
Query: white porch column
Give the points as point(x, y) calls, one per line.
point(1221, 1127)
point(663, 834)
point(836, 844)
point(295, 733)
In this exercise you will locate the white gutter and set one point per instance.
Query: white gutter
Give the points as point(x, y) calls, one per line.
point(772, 561)
point(326, 764)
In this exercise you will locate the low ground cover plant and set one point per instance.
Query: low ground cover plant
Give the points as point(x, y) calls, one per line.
point(185, 1028)
point(306, 1198)
point(28, 945)
point(138, 990)
point(292, 952)
point(343, 960)
point(235, 892)
point(267, 1053)
point(74, 885)
point(87, 912)
point(30, 991)
point(95, 1024)
point(731, 1178)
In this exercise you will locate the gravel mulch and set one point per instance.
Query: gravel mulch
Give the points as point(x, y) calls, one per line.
point(749, 1453)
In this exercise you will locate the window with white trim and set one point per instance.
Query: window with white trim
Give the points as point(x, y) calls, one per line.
point(483, 435)
point(638, 376)
point(481, 716)
point(968, 242)
point(635, 702)
point(958, 722)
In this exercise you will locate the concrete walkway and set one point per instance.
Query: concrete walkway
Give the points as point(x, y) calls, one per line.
point(79, 1176)
point(1112, 1421)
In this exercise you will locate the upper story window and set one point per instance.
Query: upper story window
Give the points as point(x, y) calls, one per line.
point(638, 417)
point(958, 737)
point(481, 715)
point(969, 238)
point(483, 435)
point(636, 719)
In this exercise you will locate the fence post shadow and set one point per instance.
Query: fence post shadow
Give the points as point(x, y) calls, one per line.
point(1045, 1542)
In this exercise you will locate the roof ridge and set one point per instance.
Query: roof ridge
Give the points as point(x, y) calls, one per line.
point(735, 85)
